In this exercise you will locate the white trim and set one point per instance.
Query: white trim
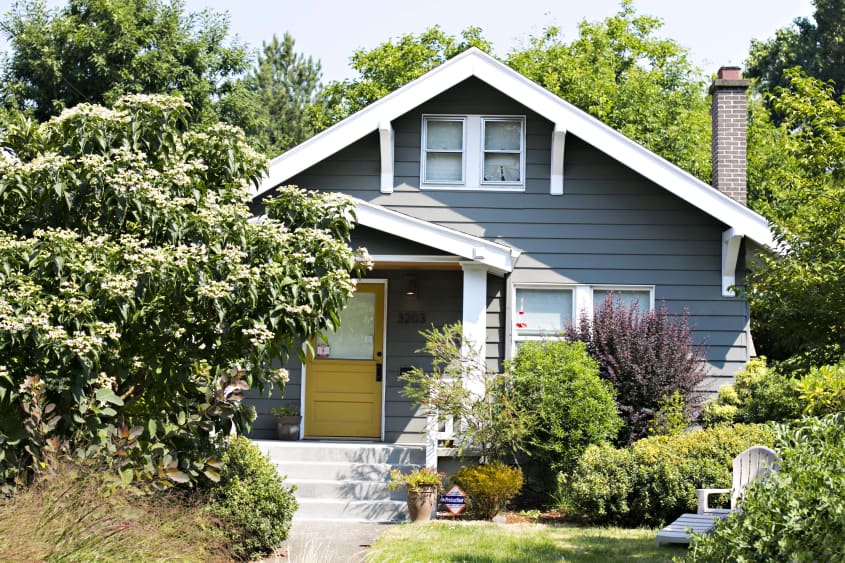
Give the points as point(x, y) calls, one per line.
point(731, 241)
point(497, 257)
point(474, 312)
point(558, 147)
point(474, 62)
point(417, 258)
point(386, 140)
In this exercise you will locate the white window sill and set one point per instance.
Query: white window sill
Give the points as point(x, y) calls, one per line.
point(482, 188)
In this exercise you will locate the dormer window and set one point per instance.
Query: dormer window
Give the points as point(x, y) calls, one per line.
point(473, 152)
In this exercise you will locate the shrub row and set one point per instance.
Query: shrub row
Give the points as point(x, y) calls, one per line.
point(653, 481)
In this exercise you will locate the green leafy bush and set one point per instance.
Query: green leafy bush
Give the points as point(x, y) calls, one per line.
point(253, 499)
point(654, 480)
point(489, 487)
point(796, 514)
point(572, 406)
point(822, 390)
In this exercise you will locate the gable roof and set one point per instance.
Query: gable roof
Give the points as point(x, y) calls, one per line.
point(474, 62)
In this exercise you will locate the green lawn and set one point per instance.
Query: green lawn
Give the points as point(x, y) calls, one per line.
point(485, 542)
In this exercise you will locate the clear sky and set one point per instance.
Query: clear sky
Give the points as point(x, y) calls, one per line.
point(717, 32)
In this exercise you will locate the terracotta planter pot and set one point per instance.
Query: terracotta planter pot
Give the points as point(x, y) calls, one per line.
point(287, 427)
point(421, 503)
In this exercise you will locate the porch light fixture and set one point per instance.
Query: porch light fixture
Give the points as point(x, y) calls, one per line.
point(411, 285)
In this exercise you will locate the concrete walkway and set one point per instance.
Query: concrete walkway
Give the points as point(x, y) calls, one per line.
point(318, 541)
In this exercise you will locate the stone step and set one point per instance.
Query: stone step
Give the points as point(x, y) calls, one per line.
point(362, 510)
point(338, 471)
point(354, 452)
point(349, 490)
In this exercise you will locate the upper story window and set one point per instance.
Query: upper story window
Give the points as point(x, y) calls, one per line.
point(473, 152)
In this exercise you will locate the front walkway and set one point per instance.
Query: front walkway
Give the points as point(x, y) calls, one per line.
point(328, 542)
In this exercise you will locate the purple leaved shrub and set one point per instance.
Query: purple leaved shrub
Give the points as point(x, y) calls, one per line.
point(646, 355)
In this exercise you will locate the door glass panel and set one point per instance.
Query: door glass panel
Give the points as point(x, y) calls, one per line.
point(354, 339)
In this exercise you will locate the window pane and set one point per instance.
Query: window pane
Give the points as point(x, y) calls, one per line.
point(445, 135)
point(502, 135)
point(354, 338)
point(626, 297)
point(501, 167)
point(443, 167)
point(542, 312)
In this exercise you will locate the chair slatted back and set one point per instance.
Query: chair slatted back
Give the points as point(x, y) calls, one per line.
point(753, 463)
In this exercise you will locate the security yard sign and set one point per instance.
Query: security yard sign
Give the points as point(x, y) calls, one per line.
point(455, 500)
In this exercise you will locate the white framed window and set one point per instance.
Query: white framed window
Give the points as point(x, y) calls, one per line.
point(544, 311)
point(473, 152)
point(643, 297)
point(541, 312)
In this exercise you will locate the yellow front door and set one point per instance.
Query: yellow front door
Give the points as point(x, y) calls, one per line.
point(344, 373)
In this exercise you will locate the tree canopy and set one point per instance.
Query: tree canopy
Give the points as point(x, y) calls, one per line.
point(138, 297)
point(796, 298)
point(818, 47)
point(95, 51)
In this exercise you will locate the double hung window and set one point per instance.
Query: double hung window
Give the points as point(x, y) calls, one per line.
point(473, 152)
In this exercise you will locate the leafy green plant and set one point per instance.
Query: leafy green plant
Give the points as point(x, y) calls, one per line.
point(570, 406)
point(416, 479)
point(672, 416)
point(136, 287)
point(285, 410)
point(822, 390)
point(461, 388)
point(489, 486)
point(654, 480)
point(252, 499)
point(795, 514)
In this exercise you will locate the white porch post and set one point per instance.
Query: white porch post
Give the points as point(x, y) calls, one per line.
point(474, 319)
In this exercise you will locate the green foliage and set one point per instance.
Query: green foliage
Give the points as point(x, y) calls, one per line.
point(252, 499)
point(96, 51)
point(817, 46)
point(283, 85)
point(571, 406)
point(620, 71)
point(416, 479)
point(489, 486)
point(758, 394)
point(653, 481)
point(390, 65)
point(796, 514)
point(672, 416)
point(822, 390)
point(135, 286)
point(795, 294)
point(459, 387)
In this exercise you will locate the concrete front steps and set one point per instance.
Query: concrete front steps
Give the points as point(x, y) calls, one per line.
point(344, 480)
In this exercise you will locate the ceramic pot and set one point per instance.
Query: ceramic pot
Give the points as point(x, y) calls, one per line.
point(287, 427)
point(421, 503)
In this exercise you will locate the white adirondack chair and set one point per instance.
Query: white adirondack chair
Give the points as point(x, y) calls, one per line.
point(753, 463)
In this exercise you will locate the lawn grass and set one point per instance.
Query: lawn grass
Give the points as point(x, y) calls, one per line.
point(486, 542)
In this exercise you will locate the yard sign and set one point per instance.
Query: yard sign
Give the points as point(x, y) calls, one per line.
point(455, 500)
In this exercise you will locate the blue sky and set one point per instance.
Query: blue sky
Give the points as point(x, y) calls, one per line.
point(717, 32)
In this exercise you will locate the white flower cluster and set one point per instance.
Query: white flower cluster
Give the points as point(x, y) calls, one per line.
point(259, 333)
point(214, 289)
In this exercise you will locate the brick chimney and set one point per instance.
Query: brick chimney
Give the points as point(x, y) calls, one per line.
point(730, 125)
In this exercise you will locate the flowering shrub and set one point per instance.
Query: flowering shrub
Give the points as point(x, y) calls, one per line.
point(416, 479)
point(647, 356)
point(135, 285)
point(490, 486)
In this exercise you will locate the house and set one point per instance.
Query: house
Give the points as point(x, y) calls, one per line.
point(485, 199)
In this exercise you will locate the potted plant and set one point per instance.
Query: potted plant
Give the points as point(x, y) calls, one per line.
point(287, 422)
point(423, 485)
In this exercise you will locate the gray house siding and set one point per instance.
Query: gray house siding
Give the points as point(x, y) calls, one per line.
point(611, 226)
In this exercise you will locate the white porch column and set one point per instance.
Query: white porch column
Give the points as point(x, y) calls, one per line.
point(474, 319)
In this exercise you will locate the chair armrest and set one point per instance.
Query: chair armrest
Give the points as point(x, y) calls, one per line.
point(702, 496)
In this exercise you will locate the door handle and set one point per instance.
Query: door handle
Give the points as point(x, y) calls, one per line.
point(378, 372)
